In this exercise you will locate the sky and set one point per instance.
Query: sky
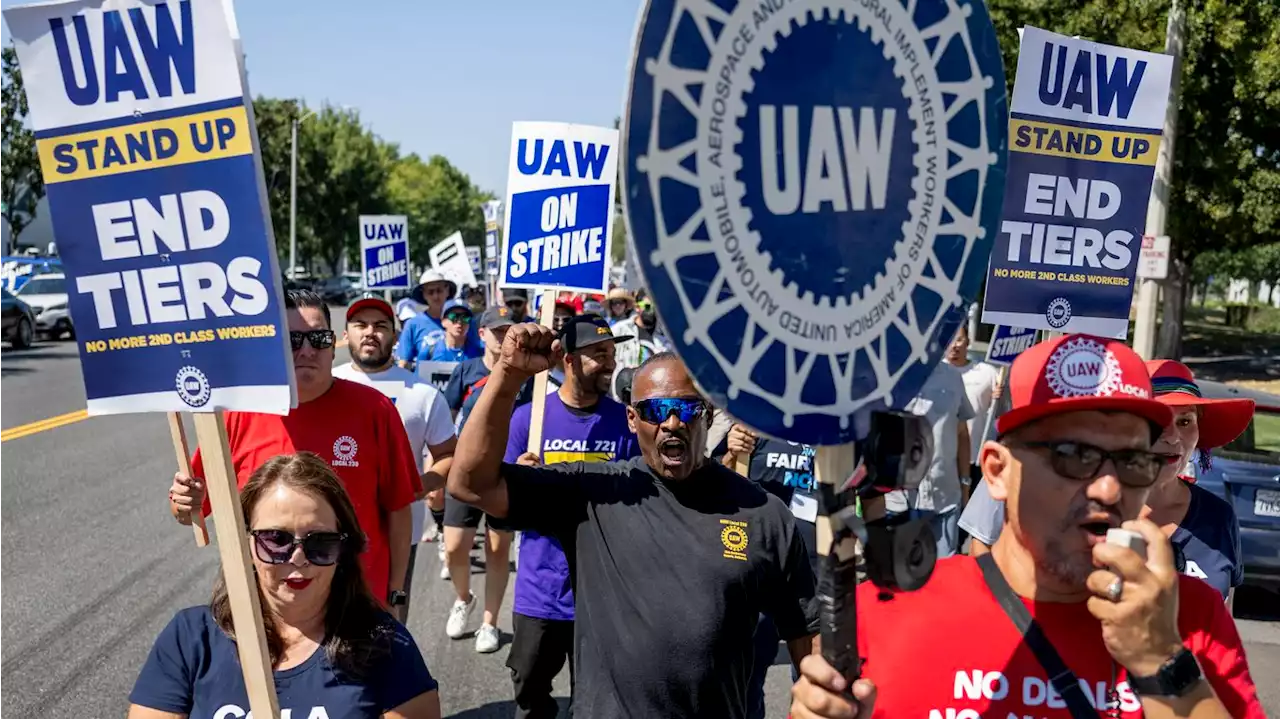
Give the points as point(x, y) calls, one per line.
point(444, 77)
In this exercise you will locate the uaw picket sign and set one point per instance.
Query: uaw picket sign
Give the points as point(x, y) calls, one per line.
point(146, 148)
point(384, 252)
point(1007, 343)
point(811, 189)
point(560, 194)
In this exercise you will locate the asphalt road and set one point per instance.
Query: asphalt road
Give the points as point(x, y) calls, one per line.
point(93, 567)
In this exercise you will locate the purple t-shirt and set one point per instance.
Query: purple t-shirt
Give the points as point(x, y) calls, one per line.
point(568, 435)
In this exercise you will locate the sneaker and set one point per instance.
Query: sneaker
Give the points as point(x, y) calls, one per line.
point(444, 563)
point(456, 626)
point(431, 533)
point(487, 639)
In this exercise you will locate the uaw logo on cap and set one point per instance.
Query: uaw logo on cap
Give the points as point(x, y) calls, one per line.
point(810, 187)
point(193, 386)
point(1083, 367)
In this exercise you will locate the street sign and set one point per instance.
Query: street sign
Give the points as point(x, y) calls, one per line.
point(384, 252)
point(560, 195)
point(1086, 126)
point(1153, 263)
point(811, 194)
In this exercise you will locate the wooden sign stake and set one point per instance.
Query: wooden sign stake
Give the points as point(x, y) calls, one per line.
point(832, 466)
point(179, 435)
point(546, 318)
point(237, 568)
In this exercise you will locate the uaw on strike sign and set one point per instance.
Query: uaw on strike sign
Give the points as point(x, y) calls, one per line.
point(559, 220)
point(146, 148)
point(812, 189)
point(384, 252)
point(1085, 132)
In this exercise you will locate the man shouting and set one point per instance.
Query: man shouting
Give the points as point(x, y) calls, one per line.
point(674, 557)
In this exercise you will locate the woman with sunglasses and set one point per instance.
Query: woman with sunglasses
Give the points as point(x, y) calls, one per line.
point(332, 645)
point(1202, 526)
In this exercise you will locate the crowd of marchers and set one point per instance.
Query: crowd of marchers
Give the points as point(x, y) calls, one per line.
point(662, 578)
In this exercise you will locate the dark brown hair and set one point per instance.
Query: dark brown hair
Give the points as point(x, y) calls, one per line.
point(357, 629)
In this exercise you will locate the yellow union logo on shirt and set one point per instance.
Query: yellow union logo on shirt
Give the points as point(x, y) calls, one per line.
point(734, 539)
point(558, 457)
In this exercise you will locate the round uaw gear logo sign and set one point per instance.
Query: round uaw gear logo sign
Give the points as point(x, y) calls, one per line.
point(193, 386)
point(1059, 312)
point(811, 190)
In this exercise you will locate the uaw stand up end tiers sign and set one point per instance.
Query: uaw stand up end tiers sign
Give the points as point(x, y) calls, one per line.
point(811, 188)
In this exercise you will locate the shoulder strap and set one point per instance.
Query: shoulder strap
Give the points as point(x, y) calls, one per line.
point(1062, 678)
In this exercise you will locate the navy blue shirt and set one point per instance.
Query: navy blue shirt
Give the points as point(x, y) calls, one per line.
point(462, 392)
point(194, 669)
point(1206, 543)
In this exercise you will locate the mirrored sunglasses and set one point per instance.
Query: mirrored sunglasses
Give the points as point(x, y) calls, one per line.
point(319, 339)
point(656, 411)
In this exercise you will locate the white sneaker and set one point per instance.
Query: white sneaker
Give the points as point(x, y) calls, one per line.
point(431, 533)
point(456, 626)
point(487, 639)
point(444, 563)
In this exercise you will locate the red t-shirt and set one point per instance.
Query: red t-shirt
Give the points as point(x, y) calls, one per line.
point(358, 431)
point(949, 651)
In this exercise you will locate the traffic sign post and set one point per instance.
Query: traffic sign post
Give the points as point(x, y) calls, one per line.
point(789, 225)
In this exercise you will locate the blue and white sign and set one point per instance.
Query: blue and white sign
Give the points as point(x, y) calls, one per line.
point(153, 175)
point(811, 189)
point(492, 212)
point(560, 194)
point(1085, 132)
point(384, 252)
point(1007, 343)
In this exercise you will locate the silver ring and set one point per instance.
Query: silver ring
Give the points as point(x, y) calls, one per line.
point(1115, 589)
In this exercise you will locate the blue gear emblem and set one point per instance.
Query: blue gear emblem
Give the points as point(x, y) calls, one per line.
point(193, 386)
point(811, 191)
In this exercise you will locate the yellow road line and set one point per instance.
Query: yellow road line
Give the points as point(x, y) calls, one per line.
point(44, 424)
point(62, 420)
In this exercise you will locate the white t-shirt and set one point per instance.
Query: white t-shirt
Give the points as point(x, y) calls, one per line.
point(979, 384)
point(422, 409)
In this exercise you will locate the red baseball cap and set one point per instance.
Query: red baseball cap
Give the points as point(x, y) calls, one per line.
point(1221, 420)
point(371, 302)
point(1078, 373)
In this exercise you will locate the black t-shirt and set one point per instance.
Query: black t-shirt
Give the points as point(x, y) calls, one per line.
point(785, 469)
point(670, 579)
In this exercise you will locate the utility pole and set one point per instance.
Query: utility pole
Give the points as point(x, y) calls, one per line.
point(293, 198)
point(1144, 326)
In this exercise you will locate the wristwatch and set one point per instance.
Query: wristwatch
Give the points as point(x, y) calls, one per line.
point(1176, 677)
point(397, 598)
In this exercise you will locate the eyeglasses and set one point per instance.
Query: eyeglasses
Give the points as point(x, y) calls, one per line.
point(276, 546)
point(459, 317)
point(319, 339)
point(656, 411)
point(1077, 460)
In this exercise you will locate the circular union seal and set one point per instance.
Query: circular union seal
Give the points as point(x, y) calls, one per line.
point(193, 386)
point(344, 448)
point(1083, 368)
point(809, 185)
point(734, 539)
point(1059, 312)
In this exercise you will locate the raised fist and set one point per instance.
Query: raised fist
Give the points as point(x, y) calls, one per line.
point(529, 349)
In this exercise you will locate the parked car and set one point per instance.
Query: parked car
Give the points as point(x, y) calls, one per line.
point(47, 295)
point(341, 290)
point(19, 321)
point(1246, 473)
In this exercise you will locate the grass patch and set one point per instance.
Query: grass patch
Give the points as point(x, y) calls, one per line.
point(1266, 432)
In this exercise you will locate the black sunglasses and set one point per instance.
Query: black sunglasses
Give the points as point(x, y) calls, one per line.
point(1077, 460)
point(656, 411)
point(276, 546)
point(319, 339)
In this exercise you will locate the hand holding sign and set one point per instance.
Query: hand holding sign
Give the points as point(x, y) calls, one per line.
point(529, 349)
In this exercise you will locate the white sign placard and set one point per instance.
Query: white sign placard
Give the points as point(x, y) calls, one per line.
point(449, 256)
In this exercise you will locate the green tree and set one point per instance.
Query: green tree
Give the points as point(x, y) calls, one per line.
point(438, 199)
point(1226, 176)
point(21, 184)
